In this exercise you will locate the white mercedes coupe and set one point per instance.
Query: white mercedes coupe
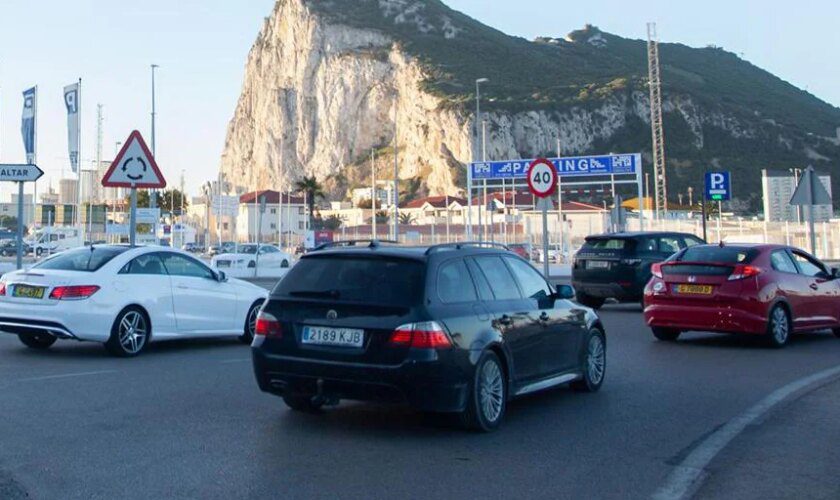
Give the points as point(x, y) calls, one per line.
point(125, 297)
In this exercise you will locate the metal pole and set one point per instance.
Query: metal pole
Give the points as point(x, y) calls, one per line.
point(20, 227)
point(132, 227)
point(703, 212)
point(373, 194)
point(545, 240)
point(483, 206)
point(396, 181)
point(810, 188)
point(720, 220)
point(153, 192)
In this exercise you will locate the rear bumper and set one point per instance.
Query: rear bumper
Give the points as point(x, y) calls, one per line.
point(427, 385)
point(706, 318)
point(74, 320)
point(632, 292)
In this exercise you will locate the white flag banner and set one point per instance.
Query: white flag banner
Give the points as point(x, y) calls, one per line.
point(28, 122)
point(73, 101)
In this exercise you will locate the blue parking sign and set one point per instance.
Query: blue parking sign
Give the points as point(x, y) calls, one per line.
point(718, 186)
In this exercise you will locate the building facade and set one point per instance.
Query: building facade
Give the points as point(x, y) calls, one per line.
point(777, 190)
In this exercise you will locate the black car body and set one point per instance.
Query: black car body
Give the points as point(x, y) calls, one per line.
point(617, 266)
point(432, 322)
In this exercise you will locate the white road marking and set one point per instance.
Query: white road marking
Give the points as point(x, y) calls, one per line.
point(68, 375)
point(231, 361)
point(688, 476)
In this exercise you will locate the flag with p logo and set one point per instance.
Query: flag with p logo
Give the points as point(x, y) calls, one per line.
point(27, 123)
point(72, 101)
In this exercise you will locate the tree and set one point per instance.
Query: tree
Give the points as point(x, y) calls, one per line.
point(10, 223)
point(407, 219)
point(164, 200)
point(331, 223)
point(313, 190)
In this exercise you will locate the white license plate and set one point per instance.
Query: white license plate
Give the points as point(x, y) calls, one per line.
point(597, 264)
point(341, 337)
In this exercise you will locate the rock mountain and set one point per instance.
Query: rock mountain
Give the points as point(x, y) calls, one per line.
point(327, 81)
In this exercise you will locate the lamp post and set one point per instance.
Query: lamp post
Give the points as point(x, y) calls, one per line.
point(153, 193)
point(476, 152)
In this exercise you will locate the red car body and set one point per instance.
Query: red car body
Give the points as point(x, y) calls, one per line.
point(737, 295)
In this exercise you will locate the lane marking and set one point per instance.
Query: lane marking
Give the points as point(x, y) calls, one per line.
point(688, 476)
point(67, 375)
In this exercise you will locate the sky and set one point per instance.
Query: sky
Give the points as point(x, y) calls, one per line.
point(201, 46)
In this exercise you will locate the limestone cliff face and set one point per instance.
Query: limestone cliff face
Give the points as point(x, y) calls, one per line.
point(320, 93)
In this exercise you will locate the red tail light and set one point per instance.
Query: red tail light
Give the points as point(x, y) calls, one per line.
point(2, 289)
point(268, 326)
point(656, 270)
point(73, 292)
point(427, 335)
point(743, 272)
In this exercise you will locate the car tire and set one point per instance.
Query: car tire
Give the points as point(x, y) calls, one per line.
point(130, 333)
point(594, 360)
point(779, 327)
point(665, 334)
point(40, 341)
point(284, 264)
point(590, 302)
point(302, 403)
point(250, 326)
point(488, 391)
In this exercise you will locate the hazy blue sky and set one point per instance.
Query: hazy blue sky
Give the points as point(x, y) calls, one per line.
point(201, 47)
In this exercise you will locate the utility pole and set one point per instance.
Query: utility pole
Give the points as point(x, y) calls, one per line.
point(656, 125)
point(153, 192)
point(373, 193)
point(396, 179)
point(476, 151)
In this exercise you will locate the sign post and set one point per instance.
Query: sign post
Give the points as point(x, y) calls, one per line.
point(133, 168)
point(719, 189)
point(542, 181)
point(20, 173)
point(809, 193)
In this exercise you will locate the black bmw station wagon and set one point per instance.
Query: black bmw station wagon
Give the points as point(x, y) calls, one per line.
point(459, 328)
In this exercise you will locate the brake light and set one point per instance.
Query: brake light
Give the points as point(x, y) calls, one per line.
point(2, 289)
point(81, 292)
point(743, 272)
point(426, 335)
point(656, 270)
point(268, 326)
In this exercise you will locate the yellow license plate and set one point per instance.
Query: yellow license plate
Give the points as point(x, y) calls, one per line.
point(29, 292)
point(695, 289)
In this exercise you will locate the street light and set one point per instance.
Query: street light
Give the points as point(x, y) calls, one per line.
point(153, 193)
point(476, 153)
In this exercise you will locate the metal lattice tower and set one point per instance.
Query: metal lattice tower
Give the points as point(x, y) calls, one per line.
point(657, 130)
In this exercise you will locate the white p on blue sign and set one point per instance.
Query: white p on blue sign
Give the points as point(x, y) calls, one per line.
point(718, 186)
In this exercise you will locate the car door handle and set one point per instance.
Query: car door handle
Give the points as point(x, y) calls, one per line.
point(814, 286)
point(506, 320)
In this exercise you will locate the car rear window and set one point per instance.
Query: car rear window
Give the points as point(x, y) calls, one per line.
point(605, 244)
point(375, 281)
point(89, 259)
point(719, 255)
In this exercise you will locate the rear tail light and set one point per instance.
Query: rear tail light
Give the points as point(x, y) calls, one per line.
point(743, 272)
point(656, 270)
point(80, 292)
point(268, 326)
point(426, 335)
point(2, 289)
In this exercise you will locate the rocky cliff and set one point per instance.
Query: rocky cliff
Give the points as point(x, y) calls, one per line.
point(328, 81)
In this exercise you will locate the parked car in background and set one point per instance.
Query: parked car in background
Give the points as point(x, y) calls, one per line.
point(55, 239)
point(617, 266)
point(248, 256)
point(225, 247)
point(192, 248)
point(125, 297)
point(457, 328)
point(522, 249)
point(8, 248)
point(768, 290)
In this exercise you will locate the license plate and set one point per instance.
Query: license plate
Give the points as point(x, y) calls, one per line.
point(340, 337)
point(597, 264)
point(28, 292)
point(695, 289)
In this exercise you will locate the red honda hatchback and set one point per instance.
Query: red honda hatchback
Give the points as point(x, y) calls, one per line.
point(768, 290)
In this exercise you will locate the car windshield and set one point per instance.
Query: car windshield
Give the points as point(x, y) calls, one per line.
point(719, 255)
point(380, 281)
point(248, 249)
point(89, 259)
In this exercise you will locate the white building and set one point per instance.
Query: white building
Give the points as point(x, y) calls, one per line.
point(777, 190)
point(288, 217)
point(384, 194)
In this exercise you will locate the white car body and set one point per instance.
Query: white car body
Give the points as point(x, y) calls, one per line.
point(178, 306)
point(270, 257)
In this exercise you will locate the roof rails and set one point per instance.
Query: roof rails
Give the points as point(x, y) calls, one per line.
point(354, 243)
point(466, 244)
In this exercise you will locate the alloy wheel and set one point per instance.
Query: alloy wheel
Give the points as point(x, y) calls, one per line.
point(596, 359)
point(491, 391)
point(252, 321)
point(781, 328)
point(133, 332)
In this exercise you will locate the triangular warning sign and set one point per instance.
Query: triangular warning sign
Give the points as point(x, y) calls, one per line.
point(818, 195)
point(134, 166)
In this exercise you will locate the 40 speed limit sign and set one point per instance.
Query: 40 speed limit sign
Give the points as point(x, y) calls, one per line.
point(542, 178)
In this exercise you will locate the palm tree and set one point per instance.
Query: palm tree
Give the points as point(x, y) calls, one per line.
point(406, 219)
point(313, 190)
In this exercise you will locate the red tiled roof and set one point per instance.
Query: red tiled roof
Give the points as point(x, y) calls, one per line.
point(272, 197)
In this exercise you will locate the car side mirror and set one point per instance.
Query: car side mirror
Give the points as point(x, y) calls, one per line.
point(565, 292)
point(221, 277)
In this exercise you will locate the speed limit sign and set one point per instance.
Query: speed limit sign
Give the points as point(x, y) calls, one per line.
point(542, 178)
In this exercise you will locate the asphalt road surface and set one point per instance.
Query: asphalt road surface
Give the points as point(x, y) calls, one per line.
point(186, 420)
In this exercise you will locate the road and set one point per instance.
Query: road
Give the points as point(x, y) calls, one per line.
point(187, 420)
